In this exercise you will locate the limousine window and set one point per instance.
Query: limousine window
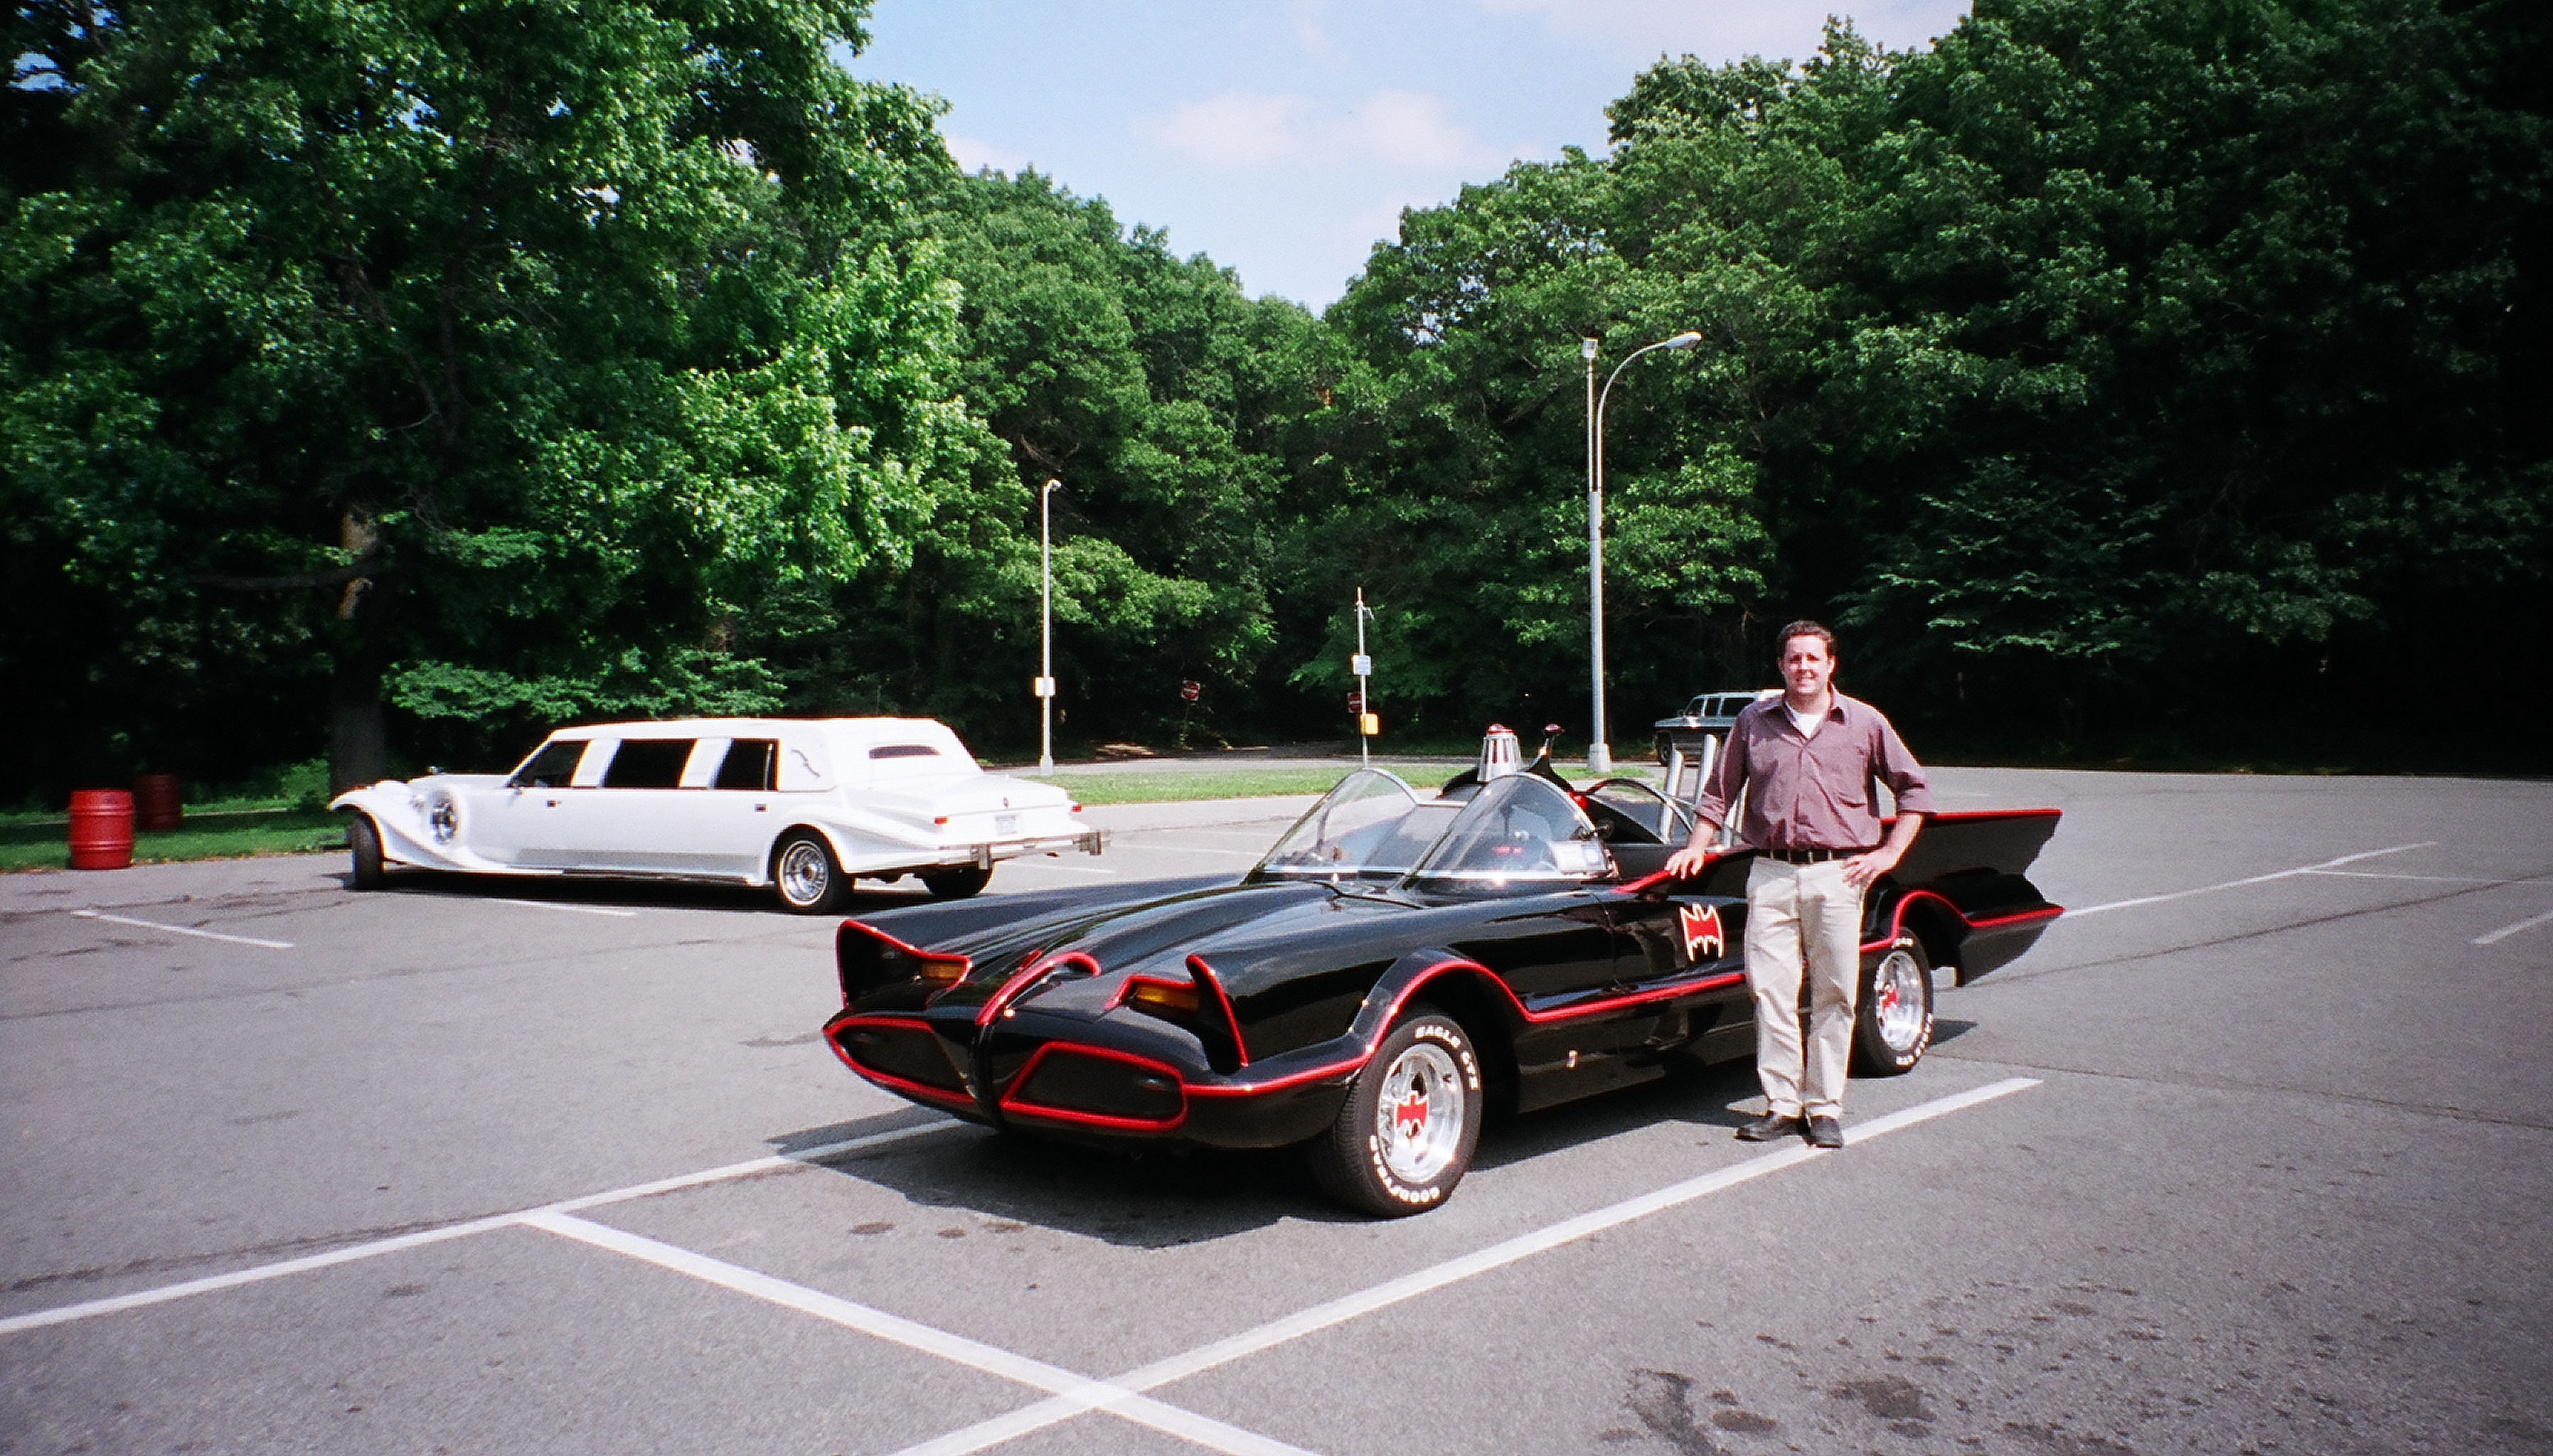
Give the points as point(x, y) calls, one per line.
point(748, 765)
point(648, 763)
point(551, 767)
point(903, 751)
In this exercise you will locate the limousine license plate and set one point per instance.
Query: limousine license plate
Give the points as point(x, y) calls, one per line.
point(1006, 823)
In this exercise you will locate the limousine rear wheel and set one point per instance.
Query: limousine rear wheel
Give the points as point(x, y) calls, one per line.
point(958, 883)
point(804, 871)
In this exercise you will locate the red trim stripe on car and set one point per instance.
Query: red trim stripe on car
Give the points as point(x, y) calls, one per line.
point(941, 1095)
point(1013, 1103)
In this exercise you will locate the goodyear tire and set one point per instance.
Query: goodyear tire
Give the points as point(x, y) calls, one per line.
point(363, 837)
point(963, 882)
point(1892, 1020)
point(1411, 1121)
point(803, 873)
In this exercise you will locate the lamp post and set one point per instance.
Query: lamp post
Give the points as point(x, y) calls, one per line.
point(1599, 759)
point(1046, 628)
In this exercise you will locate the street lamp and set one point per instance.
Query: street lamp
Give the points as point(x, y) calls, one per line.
point(1046, 628)
point(1599, 759)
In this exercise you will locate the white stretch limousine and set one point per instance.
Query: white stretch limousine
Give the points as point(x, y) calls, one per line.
point(805, 805)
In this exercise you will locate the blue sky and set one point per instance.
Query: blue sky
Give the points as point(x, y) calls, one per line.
point(1283, 137)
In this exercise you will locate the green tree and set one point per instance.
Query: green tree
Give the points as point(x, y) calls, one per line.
point(1160, 396)
point(2110, 357)
point(508, 357)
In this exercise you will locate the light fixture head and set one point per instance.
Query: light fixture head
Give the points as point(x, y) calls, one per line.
point(1587, 350)
point(1685, 339)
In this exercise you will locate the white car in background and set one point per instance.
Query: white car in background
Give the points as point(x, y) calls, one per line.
point(804, 805)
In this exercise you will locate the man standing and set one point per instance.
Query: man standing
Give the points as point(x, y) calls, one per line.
point(1806, 763)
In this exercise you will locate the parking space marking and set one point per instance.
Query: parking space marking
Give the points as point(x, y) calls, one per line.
point(2178, 894)
point(271, 945)
point(555, 905)
point(258, 1274)
point(1086, 1393)
point(2505, 931)
point(1065, 1407)
point(2427, 878)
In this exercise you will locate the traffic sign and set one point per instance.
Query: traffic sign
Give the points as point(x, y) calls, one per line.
point(1188, 691)
point(1356, 700)
point(1360, 665)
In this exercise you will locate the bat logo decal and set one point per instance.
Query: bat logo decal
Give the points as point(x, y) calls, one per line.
point(1410, 1115)
point(1701, 932)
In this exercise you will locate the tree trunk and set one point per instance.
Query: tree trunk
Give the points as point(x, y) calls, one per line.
point(358, 740)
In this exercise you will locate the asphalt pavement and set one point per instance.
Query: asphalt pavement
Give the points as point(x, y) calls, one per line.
point(2248, 1155)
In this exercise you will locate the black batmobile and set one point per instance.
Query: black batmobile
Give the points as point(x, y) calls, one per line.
point(1392, 967)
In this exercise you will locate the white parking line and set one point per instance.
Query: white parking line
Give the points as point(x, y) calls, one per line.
point(555, 905)
point(1086, 1393)
point(2178, 894)
point(263, 1272)
point(2505, 931)
point(273, 945)
point(1066, 1406)
point(2427, 878)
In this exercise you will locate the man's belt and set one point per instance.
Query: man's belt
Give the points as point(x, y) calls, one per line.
point(1809, 856)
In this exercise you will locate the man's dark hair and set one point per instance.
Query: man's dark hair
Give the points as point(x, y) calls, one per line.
point(1803, 628)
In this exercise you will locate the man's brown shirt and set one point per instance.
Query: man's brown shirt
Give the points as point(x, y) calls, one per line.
point(1814, 793)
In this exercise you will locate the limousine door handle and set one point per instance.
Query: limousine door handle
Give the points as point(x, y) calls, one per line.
point(760, 808)
point(553, 803)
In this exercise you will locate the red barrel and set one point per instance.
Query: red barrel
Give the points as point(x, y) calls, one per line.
point(101, 829)
point(156, 806)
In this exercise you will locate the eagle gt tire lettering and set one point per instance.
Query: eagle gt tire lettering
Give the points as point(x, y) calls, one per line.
point(1410, 1123)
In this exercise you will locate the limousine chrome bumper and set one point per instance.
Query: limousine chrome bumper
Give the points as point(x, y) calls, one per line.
point(983, 856)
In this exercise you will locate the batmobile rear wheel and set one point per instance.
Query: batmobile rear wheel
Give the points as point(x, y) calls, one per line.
point(959, 883)
point(1411, 1121)
point(363, 837)
point(1892, 1023)
point(804, 871)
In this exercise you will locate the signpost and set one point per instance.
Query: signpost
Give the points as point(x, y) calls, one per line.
point(1368, 724)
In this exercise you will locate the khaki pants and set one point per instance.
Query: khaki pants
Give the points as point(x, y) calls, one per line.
point(1796, 911)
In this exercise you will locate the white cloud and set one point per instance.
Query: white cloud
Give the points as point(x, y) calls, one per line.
point(1237, 129)
point(1412, 128)
point(974, 156)
point(1240, 129)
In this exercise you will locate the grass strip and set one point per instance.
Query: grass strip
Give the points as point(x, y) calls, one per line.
point(31, 842)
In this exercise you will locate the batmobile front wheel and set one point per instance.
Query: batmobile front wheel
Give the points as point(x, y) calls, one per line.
point(804, 871)
point(363, 837)
point(1892, 1023)
point(1411, 1121)
point(959, 883)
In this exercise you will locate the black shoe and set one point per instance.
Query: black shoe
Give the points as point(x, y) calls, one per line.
point(1825, 1132)
point(1768, 1127)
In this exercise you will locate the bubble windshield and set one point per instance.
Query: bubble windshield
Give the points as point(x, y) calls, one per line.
point(1372, 826)
point(1516, 830)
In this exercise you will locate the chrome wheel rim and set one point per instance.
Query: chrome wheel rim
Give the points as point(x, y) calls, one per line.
point(803, 874)
point(1418, 1117)
point(1897, 988)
